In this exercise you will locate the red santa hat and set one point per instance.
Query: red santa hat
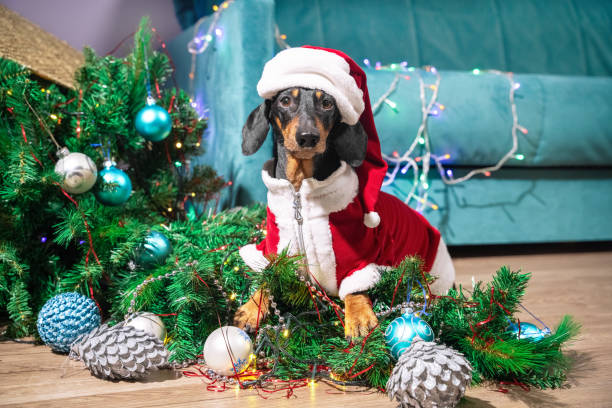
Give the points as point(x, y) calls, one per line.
point(337, 74)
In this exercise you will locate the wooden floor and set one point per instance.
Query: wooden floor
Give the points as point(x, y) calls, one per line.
point(576, 283)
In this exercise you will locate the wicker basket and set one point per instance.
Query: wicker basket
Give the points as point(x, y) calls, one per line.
point(46, 55)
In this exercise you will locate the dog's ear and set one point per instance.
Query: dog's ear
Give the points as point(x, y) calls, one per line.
point(350, 143)
point(255, 129)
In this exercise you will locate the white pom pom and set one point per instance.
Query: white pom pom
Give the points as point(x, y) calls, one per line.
point(371, 219)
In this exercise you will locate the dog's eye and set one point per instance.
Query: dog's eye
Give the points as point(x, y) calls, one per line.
point(285, 101)
point(327, 104)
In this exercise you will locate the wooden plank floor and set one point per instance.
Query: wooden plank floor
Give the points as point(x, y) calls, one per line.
point(576, 283)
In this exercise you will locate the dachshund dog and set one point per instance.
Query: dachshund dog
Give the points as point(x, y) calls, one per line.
point(311, 145)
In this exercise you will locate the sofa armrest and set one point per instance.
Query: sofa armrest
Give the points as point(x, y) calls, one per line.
point(224, 88)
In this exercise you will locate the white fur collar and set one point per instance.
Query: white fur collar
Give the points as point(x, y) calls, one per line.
point(333, 194)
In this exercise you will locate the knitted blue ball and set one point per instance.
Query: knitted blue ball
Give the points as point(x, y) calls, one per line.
point(64, 318)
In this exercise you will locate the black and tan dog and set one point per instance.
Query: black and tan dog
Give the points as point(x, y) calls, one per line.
point(324, 187)
point(309, 141)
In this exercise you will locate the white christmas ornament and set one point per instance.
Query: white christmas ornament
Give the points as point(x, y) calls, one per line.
point(223, 341)
point(77, 171)
point(148, 323)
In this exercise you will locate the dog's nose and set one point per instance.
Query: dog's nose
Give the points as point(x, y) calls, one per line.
point(307, 139)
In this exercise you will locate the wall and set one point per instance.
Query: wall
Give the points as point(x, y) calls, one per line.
point(101, 24)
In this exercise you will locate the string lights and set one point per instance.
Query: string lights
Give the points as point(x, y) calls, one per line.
point(200, 42)
point(420, 164)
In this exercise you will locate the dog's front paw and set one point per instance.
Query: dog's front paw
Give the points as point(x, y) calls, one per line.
point(359, 318)
point(246, 316)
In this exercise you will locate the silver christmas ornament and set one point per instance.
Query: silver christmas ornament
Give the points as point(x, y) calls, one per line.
point(148, 323)
point(77, 171)
point(120, 352)
point(227, 350)
point(429, 375)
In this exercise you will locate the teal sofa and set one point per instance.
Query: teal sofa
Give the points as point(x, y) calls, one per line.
point(560, 52)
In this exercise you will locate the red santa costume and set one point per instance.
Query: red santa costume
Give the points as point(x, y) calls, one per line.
point(348, 230)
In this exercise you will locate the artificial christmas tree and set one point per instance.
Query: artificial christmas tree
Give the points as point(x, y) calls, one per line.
point(54, 235)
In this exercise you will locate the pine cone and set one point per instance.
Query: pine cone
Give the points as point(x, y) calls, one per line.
point(120, 352)
point(429, 375)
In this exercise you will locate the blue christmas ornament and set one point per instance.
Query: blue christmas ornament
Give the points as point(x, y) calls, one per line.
point(64, 318)
point(404, 330)
point(153, 122)
point(528, 331)
point(155, 250)
point(114, 186)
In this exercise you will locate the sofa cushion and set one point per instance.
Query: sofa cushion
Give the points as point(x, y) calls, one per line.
point(564, 37)
point(567, 118)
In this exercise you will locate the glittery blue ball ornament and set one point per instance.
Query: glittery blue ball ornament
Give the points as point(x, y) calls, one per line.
point(155, 250)
point(528, 331)
point(153, 123)
point(403, 331)
point(113, 186)
point(64, 318)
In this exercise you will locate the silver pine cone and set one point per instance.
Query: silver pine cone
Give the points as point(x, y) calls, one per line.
point(119, 352)
point(429, 375)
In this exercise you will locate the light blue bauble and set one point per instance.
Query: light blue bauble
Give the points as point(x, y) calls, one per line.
point(403, 331)
point(155, 250)
point(64, 318)
point(529, 331)
point(113, 186)
point(153, 123)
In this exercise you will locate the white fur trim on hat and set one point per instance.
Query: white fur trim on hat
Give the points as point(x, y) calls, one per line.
point(371, 219)
point(315, 69)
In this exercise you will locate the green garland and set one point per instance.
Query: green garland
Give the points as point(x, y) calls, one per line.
point(312, 343)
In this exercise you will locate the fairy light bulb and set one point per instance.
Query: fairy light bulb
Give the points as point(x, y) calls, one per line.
point(286, 333)
point(476, 71)
point(519, 156)
point(179, 145)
